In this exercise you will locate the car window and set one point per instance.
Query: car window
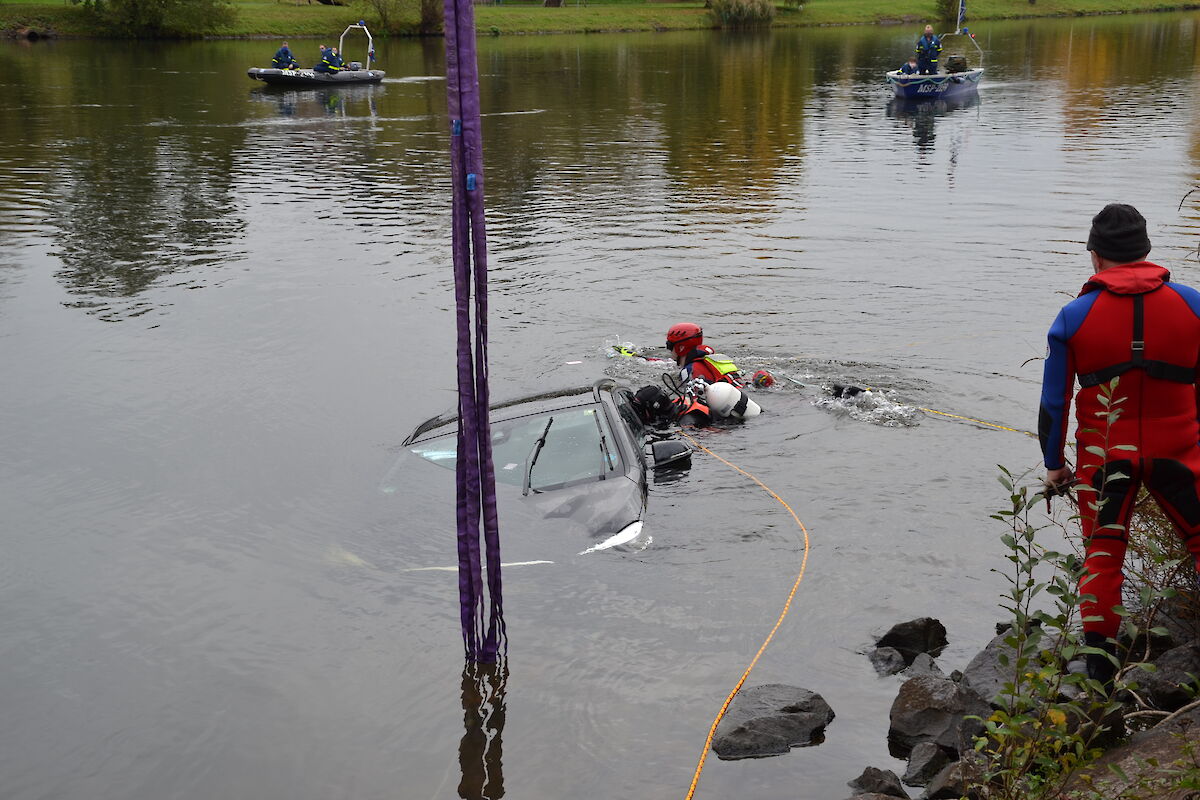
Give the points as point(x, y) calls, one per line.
point(573, 450)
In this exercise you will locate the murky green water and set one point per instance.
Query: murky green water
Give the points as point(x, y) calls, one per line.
point(222, 308)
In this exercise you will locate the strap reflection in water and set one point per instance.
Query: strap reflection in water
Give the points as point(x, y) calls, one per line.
point(480, 752)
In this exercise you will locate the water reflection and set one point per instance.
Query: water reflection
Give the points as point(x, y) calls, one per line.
point(922, 116)
point(343, 102)
point(480, 752)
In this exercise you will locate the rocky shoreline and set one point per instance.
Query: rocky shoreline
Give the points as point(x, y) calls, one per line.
point(936, 717)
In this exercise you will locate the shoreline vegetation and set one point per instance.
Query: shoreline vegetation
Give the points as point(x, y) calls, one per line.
point(303, 18)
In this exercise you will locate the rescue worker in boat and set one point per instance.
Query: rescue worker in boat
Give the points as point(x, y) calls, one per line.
point(929, 47)
point(325, 65)
point(1131, 324)
point(697, 360)
point(335, 60)
point(910, 67)
point(284, 59)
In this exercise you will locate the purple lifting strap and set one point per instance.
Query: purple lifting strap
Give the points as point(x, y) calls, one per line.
point(482, 625)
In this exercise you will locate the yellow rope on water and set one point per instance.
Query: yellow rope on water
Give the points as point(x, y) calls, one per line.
point(978, 422)
point(786, 606)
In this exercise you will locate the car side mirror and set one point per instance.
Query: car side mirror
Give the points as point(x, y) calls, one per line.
point(671, 454)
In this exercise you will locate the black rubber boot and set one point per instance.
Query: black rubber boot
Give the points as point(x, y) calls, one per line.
point(1100, 668)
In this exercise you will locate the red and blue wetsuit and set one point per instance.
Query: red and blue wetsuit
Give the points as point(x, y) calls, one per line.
point(1129, 322)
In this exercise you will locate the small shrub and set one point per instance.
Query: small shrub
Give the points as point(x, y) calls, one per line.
point(742, 13)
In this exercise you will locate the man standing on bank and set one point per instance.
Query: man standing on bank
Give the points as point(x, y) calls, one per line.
point(1132, 324)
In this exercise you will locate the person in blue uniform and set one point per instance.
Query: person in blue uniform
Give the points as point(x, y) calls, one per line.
point(325, 64)
point(284, 59)
point(910, 68)
point(929, 47)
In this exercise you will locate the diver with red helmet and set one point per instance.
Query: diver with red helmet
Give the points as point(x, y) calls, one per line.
point(697, 360)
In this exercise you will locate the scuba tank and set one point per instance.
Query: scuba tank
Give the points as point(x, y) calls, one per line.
point(727, 400)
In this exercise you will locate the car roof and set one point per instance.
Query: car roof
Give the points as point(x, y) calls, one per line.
point(520, 407)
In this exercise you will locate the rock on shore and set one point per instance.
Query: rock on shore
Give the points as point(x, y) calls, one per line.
point(770, 720)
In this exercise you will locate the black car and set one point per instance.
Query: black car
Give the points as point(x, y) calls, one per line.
point(572, 462)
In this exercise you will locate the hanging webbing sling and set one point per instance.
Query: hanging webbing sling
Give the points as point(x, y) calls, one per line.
point(482, 620)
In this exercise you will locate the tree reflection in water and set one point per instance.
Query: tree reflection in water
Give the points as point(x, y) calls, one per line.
point(480, 751)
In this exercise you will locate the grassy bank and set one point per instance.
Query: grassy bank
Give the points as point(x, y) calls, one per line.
point(272, 18)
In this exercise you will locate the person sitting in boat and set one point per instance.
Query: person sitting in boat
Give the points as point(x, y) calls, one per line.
point(326, 63)
point(284, 59)
point(698, 360)
point(910, 68)
point(335, 60)
point(929, 47)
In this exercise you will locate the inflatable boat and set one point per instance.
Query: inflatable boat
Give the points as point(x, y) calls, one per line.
point(353, 72)
point(307, 77)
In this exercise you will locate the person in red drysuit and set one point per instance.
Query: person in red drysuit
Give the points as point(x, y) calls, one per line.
point(1130, 322)
point(697, 360)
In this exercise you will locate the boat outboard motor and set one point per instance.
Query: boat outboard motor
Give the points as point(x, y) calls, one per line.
point(727, 400)
point(355, 66)
point(956, 63)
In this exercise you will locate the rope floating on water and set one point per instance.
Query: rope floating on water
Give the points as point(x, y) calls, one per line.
point(786, 607)
point(977, 421)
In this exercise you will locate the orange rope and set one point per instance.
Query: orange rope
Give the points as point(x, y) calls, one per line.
point(786, 606)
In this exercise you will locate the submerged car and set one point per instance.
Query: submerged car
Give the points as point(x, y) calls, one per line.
point(572, 462)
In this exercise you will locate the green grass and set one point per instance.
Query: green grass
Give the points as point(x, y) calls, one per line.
point(295, 18)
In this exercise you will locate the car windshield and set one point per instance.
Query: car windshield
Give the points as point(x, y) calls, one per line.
point(573, 450)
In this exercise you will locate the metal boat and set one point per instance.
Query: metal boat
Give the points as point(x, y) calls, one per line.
point(954, 80)
point(942, 86)
point(353, 72)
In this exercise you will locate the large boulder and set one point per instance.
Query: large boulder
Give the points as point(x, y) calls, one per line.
point(933, 709)
point(986, 676)
point(876, 781)
point(1167, 684)
point(924, 635)
point(925, 761)
point(770, 720)
point(1146, 758)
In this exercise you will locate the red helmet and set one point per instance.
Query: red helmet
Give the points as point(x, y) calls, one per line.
point(683, 337)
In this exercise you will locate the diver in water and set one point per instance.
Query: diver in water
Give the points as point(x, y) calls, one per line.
point(658, 409)
point(697, 360)
point(694, 404)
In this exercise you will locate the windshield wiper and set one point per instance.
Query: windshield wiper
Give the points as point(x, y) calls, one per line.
point(533, 455)
point(605, 456)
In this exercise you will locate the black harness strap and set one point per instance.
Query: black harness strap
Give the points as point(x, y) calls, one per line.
point(740, 407)
point(1161, 370)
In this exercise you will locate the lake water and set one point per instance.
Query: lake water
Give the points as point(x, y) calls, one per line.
point(222, 308)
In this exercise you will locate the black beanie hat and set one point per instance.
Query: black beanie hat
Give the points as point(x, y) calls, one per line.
point(1119, 234)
